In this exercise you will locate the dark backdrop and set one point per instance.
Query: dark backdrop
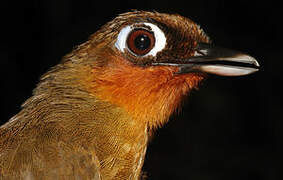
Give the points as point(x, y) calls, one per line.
point(229, 129)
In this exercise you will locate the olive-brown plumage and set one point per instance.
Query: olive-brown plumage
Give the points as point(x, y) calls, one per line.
point(91, 115)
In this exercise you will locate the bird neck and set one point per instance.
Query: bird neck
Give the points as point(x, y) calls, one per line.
point(61, 104)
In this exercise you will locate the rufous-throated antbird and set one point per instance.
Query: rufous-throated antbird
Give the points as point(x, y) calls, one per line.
point(91, 115)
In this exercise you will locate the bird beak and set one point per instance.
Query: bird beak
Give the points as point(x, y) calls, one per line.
point(216, 60)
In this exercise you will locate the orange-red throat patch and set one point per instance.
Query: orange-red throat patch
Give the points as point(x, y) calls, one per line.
point(149, 94)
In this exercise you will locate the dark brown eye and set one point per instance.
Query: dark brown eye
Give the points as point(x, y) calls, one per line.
point(140, 41)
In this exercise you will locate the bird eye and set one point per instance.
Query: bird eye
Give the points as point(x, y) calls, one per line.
point(140, 41)
point(149, 39)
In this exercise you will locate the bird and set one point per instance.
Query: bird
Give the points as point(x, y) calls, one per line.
point(91, 116)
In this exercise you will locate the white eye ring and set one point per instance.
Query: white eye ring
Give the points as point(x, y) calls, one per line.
point(160, 39)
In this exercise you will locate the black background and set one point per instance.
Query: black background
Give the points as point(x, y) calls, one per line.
point(229, 129)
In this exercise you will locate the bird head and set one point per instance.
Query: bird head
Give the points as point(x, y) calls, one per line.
point(146, 62)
